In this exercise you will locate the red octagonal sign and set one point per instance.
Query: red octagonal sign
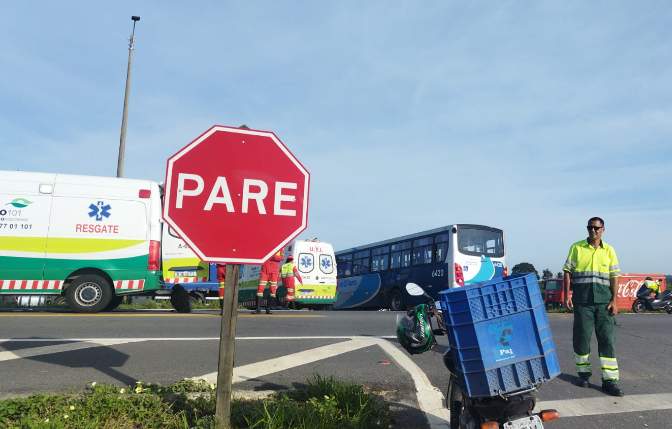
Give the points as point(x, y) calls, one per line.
point(236, 195)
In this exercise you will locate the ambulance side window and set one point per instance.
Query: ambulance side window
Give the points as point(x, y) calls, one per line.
point(326, 264)
point(306, 262)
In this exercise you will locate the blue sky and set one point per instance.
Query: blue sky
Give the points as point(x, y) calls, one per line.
point(528, 116)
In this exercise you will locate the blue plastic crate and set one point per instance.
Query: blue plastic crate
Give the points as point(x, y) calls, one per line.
point(500, 335)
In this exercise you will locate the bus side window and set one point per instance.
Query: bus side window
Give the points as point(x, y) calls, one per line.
point(395, 260)
point(379, 259)
point(360, 266)
point(344, 265)
point(440, 248)
point(360, 263)
point(422, 251)
point(406, 258)
point(401, 255)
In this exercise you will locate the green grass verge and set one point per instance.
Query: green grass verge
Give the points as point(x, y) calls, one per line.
point(324, 403)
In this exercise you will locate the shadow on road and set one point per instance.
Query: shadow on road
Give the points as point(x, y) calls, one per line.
point(103, 358)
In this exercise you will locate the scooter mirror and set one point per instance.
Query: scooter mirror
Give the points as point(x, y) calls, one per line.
point(414, 290)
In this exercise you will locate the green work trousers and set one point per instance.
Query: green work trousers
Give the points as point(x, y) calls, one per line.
point(586, 319)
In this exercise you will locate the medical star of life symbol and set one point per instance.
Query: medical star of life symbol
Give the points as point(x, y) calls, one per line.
point(99, 210)
point(307, 262)
point(326, 264)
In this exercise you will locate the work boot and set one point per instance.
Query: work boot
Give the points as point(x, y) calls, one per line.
point(611, 388)
point(582, 381)
point(269, 302)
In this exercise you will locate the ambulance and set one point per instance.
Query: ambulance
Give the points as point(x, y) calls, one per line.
point(90, 239)
point(316, 263)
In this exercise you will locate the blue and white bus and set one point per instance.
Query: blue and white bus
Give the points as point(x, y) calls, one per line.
point(375, 275)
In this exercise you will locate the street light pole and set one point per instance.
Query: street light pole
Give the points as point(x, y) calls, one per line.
point(122, 137)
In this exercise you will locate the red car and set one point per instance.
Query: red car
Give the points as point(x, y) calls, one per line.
point(554, 294)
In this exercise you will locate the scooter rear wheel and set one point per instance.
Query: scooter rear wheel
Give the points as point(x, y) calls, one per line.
point(668, 309)
point(458, 404)
point(455, 403)
point(638, 306)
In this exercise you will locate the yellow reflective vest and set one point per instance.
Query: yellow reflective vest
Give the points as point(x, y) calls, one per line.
point(287, 270)
point(591, 270)
point(653, 285)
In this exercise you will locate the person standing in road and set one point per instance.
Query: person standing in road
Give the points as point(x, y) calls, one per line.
point(270, 271)
point(289, 273)
point(592, 271)
point(221, 279)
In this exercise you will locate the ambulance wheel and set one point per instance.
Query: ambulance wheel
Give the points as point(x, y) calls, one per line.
point(89, 293)
point(114, 303)
point(180, 300)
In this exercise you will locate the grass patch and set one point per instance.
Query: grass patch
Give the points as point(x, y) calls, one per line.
point(144, 304)
point(324, 403)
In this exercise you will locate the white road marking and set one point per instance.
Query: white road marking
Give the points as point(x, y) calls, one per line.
point(430, 399)
point(58, 348)
point(283, 363)
point(608, 405)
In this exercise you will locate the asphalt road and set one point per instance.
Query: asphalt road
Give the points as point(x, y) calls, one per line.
point(62, 352)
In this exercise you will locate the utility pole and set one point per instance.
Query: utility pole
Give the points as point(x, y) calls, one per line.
point(122, 137)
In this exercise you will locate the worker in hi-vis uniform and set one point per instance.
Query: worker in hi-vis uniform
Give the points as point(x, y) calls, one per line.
point(652, 285)
point(592, 271)
point(221, 279)
point(289, 273)
point(270, 271)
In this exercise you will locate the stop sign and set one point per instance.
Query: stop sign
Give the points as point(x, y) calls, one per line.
point(236, 195)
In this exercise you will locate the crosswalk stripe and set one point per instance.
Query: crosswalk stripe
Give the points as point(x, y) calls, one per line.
point(608, 404)
point(283, 363)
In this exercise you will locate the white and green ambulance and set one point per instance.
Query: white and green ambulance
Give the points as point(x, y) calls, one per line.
point(316, 264)
point(91, 239)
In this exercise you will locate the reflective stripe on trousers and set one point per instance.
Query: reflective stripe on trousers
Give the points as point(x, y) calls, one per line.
point(262, 286)
point(609, 368)
point(582, 364)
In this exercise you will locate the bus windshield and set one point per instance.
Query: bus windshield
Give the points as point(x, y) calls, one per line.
point(480, 241)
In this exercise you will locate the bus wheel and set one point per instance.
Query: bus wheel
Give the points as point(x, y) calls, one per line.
point(114, 303)
point(180, 299)
point(396, 302)
point(88, 293)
